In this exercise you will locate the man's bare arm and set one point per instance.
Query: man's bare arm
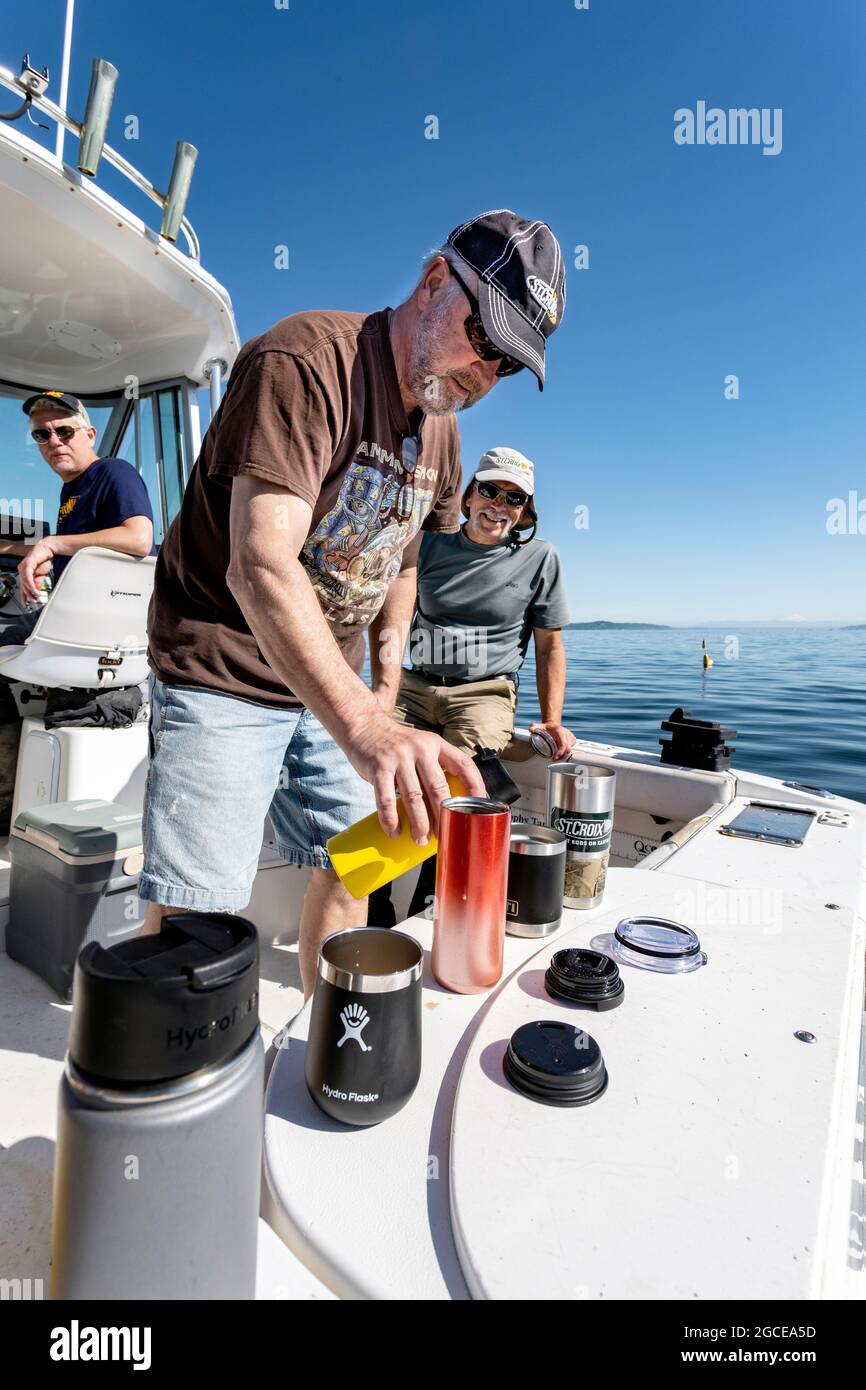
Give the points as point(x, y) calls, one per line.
point(268, 526)
point(131, 537)
point(550, 670)
point(134, 536)
point(550, 673)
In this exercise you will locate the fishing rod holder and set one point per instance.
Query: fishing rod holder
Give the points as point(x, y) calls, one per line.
point(696, 743)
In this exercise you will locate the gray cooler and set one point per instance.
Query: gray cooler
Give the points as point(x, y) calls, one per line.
point(75, 868)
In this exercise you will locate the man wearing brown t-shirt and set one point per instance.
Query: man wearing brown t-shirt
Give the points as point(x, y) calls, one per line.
point(334, 447)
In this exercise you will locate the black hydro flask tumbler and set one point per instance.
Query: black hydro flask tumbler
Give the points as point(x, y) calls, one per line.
point(363, 1056)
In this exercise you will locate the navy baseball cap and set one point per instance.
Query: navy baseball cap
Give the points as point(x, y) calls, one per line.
point(62, 399)
point(521, 288)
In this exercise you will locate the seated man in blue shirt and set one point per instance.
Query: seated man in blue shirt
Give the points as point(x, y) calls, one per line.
point(103, 501)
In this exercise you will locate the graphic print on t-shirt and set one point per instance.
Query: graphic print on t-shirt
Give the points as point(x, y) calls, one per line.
point(354, 552)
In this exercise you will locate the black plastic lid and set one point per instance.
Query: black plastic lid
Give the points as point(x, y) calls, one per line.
point(585, 977)
point(555, 1063)
point(163, 1006)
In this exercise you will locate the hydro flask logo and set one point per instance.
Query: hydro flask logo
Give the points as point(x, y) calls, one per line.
point(354, 1019)
point(186, 1038)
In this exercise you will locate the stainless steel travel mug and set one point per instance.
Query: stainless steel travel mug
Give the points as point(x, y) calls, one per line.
point(363, 1056)
point(157, 1172)
point(471, 889)
point(580, 802)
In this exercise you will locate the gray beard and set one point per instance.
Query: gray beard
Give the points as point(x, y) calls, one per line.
point(425, 387)
point(428, 393)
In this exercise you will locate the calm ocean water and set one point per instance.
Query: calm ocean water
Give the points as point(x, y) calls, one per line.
point(796, 696)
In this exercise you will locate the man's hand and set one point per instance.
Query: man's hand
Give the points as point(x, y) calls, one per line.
point(33, 569)
point(395, 756)
point(565, 739)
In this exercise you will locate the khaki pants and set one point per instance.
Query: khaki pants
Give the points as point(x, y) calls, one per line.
point(478, 714)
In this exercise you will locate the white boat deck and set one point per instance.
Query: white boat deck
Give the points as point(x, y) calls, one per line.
point(707, 1170)
point(694, 1149)
point(724, 1161)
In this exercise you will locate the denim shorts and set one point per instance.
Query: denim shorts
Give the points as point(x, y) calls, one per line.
point(218, 765)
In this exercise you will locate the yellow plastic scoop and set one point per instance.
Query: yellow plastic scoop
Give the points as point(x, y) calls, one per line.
point(365, 858)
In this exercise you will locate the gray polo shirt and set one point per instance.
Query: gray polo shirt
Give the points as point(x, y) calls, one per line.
point(477, 604)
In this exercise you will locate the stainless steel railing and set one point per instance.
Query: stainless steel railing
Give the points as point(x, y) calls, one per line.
point(56, 113)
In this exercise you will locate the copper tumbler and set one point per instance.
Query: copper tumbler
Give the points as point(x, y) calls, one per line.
point(471, 893)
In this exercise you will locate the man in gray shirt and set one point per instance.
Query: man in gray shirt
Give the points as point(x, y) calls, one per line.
point(482, 592)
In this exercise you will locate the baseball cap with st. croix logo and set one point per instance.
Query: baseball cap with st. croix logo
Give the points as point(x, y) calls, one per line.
point(521, 285)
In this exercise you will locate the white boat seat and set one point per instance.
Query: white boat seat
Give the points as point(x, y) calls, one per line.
point(92, 632)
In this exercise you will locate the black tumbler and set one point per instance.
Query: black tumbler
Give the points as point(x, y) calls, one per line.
point(536, 880)
point(363, 1055)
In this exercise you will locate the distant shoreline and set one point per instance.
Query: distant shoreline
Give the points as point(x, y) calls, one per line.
point(715, 626)
point(609, 627)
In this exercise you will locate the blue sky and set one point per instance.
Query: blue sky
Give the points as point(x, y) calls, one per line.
point(703, 260)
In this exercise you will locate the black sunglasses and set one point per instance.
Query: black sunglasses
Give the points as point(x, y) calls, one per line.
point(490, 491)
point(64, 433)
point(487, 351)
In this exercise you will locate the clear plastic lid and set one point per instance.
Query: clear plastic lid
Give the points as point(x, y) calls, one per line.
point(653, 943)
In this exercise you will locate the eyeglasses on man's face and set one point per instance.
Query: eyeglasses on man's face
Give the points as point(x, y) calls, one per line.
point(481, 344)
point(513, 496)
point(64, 433)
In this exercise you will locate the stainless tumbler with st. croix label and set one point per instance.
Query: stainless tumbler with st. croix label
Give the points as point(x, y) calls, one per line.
point(580, 802)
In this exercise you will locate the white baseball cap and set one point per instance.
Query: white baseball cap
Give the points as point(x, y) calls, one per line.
point(507, 466)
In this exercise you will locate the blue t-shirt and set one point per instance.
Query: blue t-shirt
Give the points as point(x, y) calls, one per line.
point(107, 493)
